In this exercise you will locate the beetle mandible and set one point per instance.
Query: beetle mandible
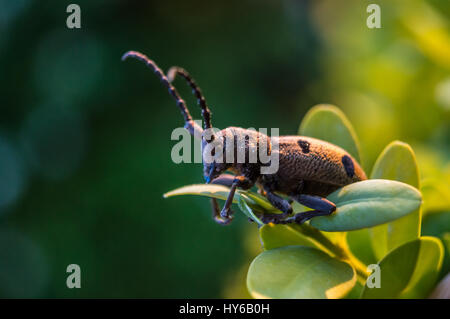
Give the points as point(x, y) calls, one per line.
point(309, 169)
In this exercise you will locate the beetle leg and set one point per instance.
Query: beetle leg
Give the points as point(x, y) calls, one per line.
point(216, 213)
point(225, 180)
point(226, 212)
point(280, 203)
point(321, 207)
point(225, 216)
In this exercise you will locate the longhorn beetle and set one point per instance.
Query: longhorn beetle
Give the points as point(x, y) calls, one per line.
point(309, 169)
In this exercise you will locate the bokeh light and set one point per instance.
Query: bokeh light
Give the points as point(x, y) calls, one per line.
point(12, 174)
point(23, 267)
point(54, 141)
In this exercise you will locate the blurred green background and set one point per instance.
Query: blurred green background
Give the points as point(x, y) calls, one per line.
point(85, 138)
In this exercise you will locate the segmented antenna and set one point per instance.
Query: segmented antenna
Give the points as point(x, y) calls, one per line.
point(206, 112)
point(173, 92)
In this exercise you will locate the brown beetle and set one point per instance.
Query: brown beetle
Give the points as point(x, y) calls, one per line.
point(308, 169)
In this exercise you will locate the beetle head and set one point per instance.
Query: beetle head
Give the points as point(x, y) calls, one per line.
point(214, 162)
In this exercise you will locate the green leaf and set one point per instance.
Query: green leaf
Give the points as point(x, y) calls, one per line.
point(275, 236)
point(409, 271)
point(261, 201)
point(446, 263)
point(359, 242)
point(355, 293)
point(209, 190)
point(247, 210)
point(428, 266)
point(329, 123)
point(255, 201)
point(436, 195)
point(438, 224)
point(446, 240)
point(368, 203)
point(299, 272)
point(396, 162)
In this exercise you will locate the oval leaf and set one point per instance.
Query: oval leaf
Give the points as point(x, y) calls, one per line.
point(255, 201)
point(208, 190)
point(329, 123)
point(299, 272)
point(261, 201)
point(436, 195)
point(367, 204)
point(360, 244)
point(409, 271)
point(438, 225)
point(396, 162)
point(275, 236)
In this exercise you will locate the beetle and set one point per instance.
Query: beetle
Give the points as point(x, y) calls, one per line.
point(309, 169)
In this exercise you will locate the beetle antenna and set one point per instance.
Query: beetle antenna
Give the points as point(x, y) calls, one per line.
point(206, 112)
point(190, 125)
